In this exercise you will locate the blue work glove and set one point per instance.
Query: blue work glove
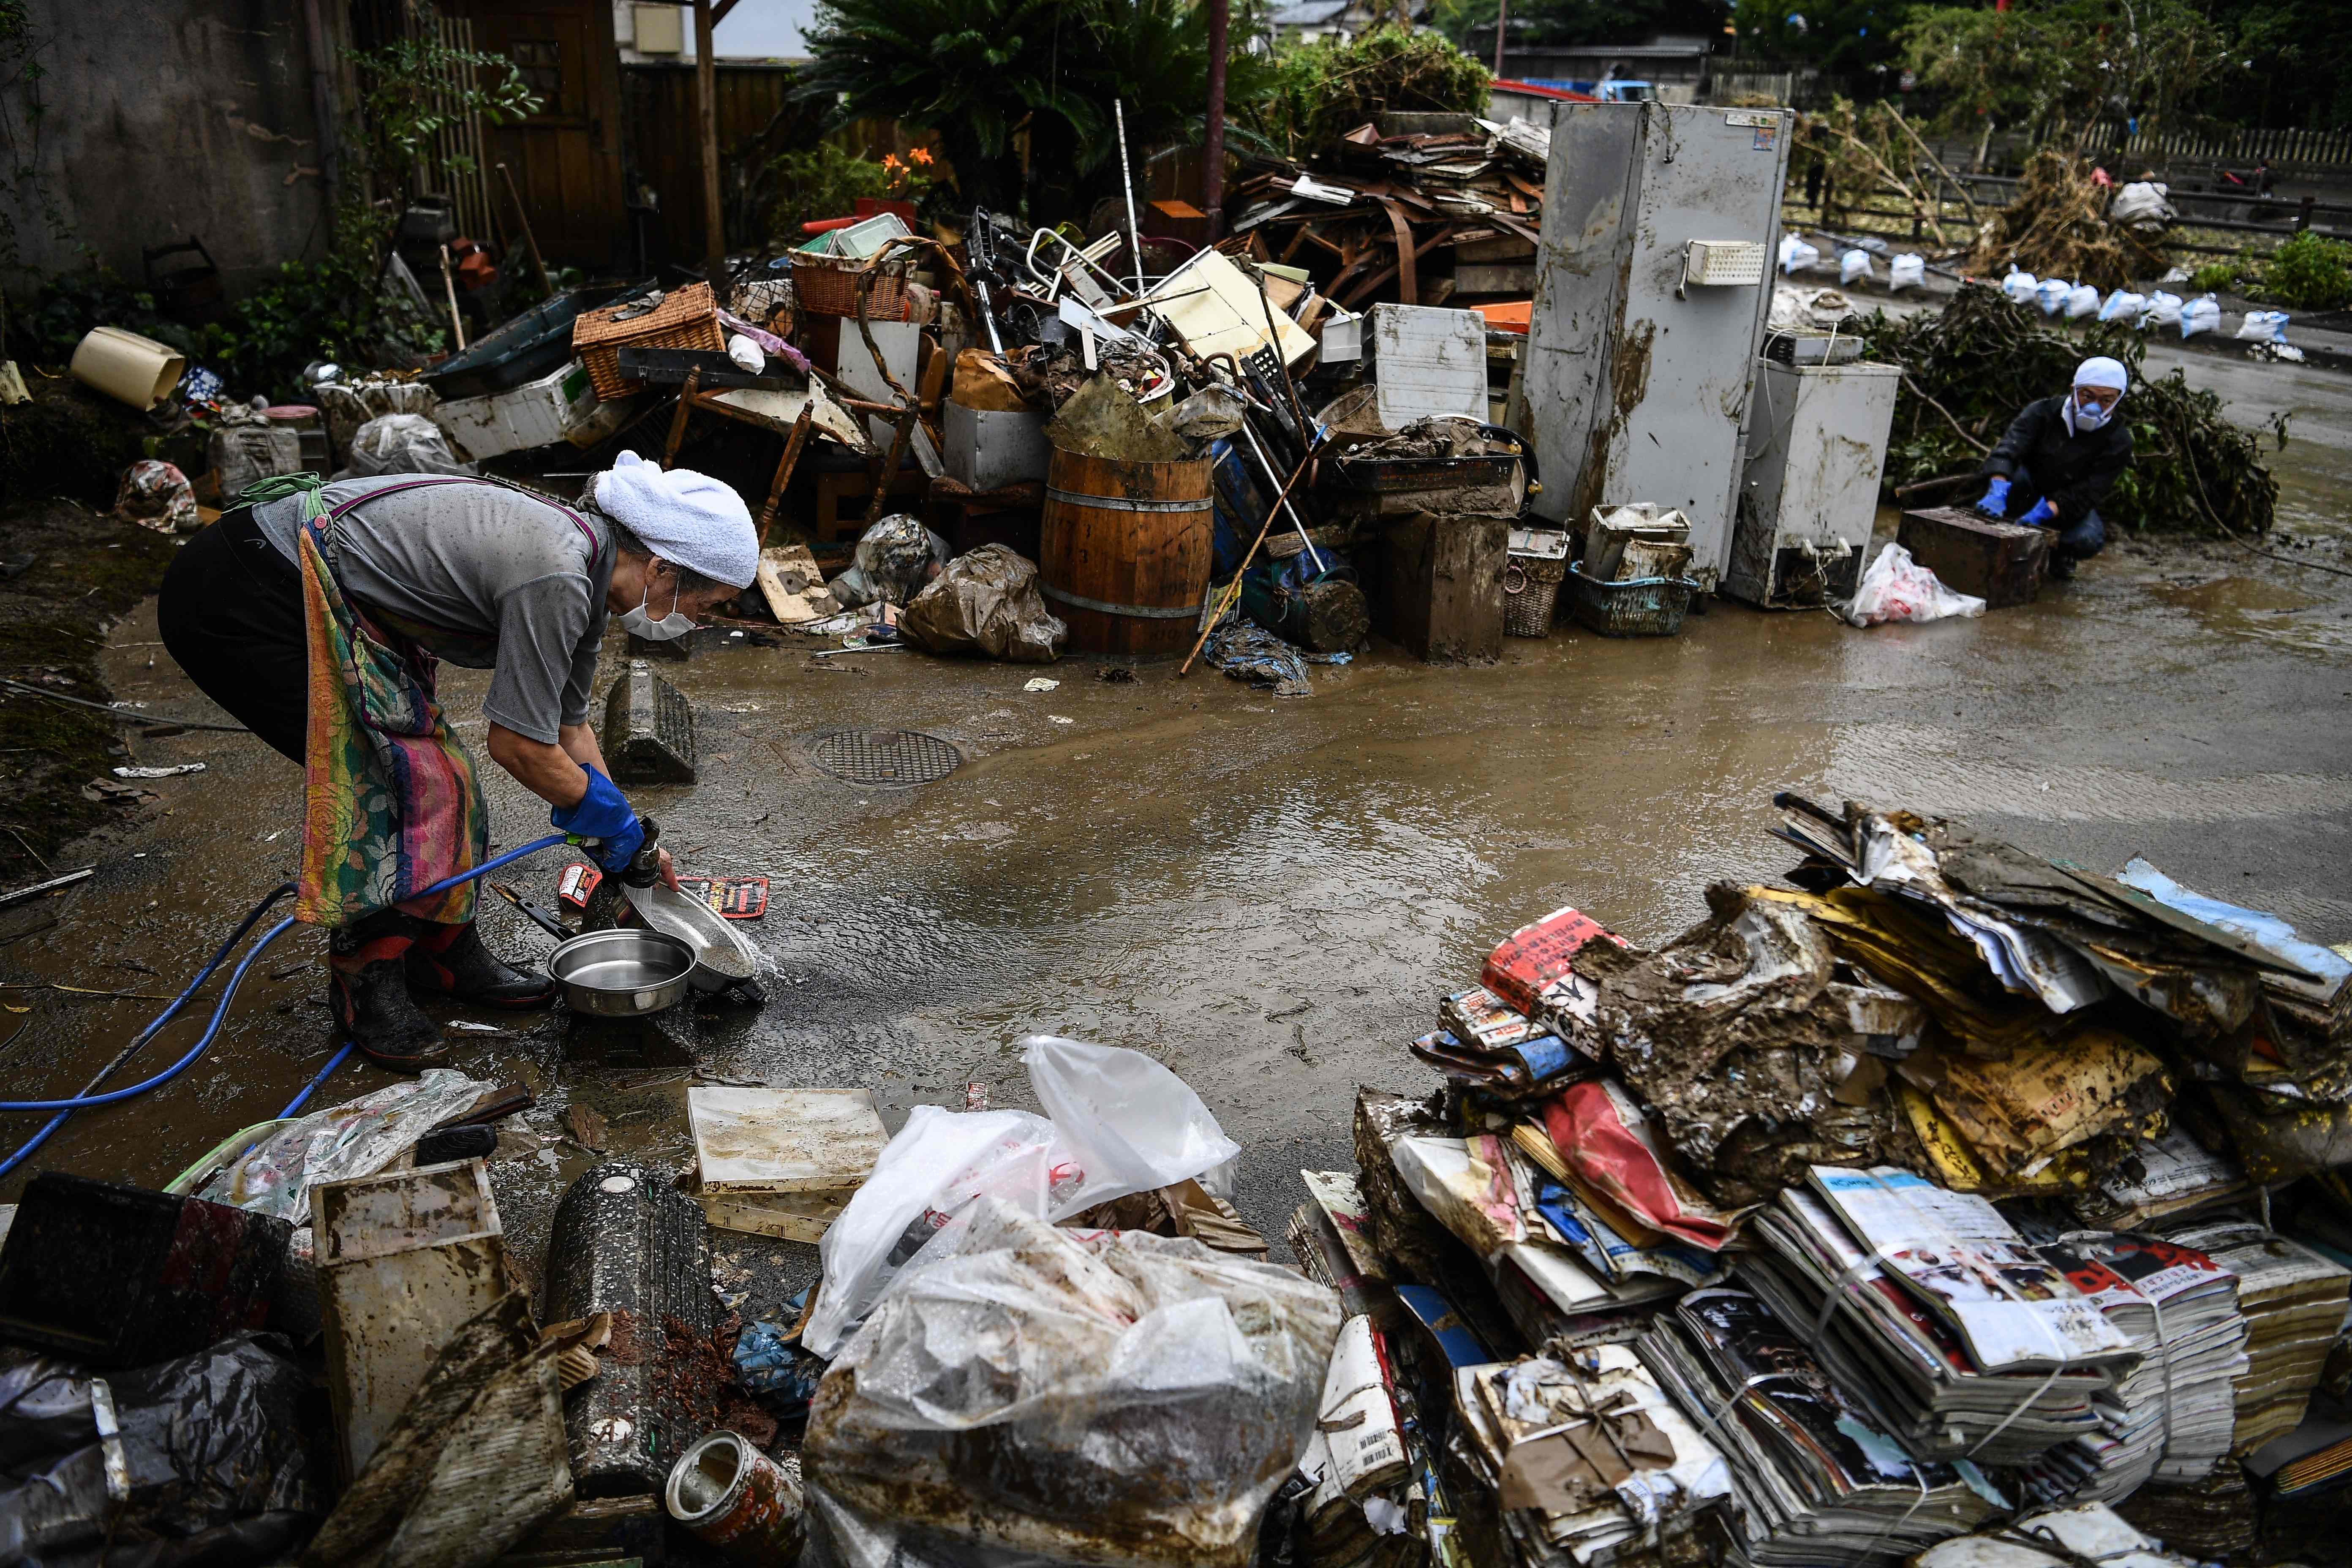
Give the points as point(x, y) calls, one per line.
point(1996, 497)
point(2038, 514)
point(604, 815)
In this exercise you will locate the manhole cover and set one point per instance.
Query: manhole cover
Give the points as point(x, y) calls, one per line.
point(888, 758)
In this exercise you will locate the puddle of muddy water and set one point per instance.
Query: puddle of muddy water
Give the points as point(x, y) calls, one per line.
point(2265, 611)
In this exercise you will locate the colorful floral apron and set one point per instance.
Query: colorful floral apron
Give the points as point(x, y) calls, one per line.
point(389, 803)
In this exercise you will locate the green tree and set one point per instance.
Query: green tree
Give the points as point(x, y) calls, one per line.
point(2059, 67)
point(1842, 37)
point(1324, 89)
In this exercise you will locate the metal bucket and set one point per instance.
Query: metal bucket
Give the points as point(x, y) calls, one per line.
point(739, 1499)
point(622, 974)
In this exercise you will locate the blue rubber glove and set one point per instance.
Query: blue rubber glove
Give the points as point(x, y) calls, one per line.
point(1996, 497)
point(604, 814)
point(2038, 514)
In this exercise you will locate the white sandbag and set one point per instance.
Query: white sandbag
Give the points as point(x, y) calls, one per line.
point(1796, 254)
point(2141, 203)
point(2163, 311)
point(2123, 305)
point(2262, 326)
point(1854, 266)
point(2020, 286)
point(401, 444)
point(2082, 301)
point(2202, 314)
point(1908, 270)
point(1897, 588)
point(2050, 295)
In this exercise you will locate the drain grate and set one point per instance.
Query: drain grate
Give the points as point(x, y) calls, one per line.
point(885, 758)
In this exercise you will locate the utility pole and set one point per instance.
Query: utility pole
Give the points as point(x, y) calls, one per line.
point(1212, 139)
point(1502, 25)
point(705, 110)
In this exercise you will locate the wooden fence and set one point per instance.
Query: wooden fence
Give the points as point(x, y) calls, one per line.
point(2301, 152)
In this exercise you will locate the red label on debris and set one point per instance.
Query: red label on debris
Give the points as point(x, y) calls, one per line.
point(575, 882)
point(1534, 958)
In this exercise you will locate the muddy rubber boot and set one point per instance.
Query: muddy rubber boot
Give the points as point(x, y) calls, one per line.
point(451, 961)
point(370, 992)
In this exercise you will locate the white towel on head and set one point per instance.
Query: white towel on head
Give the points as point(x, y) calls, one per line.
point(690, 519)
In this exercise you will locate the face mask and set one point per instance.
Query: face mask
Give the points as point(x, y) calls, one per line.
point(639, 621)
point(2090, 415)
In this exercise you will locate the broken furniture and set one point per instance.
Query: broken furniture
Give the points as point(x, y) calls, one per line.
point(1816, 447)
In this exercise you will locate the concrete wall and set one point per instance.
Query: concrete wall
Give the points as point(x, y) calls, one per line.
point(171, 118)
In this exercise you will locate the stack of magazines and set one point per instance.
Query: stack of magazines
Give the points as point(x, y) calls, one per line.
point(1821, 1482)
point(1929, 1307)
point(2171, 1417)
point(2292, 1299)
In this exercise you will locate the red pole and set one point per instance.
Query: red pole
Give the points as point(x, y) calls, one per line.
point(1213, 139)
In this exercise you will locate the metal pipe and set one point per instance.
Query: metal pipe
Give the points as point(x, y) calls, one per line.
point(1127, 188)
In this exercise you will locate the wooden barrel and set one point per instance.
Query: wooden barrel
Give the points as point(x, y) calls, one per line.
point(1124, 551)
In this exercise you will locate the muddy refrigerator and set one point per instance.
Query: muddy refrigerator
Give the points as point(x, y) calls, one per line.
point(1816, 447)
point(1652, 284)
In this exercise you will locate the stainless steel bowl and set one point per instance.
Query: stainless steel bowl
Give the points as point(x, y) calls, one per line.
point(622, 974)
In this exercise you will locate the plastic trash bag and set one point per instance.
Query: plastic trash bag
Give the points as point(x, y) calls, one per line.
point(2202, 314)
point(357, 1138)
point(2262, 326)
point(1025, 1394)
point(986, 603)
point(939, 1162)
point(2123, 305)
point(1131, 1123)
point(1854, 266)
point(749, 356)
point(401, 444)
point(1908, 270)
point(2020, 286)
point(211, 1445)
point(2082, 301)
point(895, 559)
point(156, 494)
point(1796, 254)
point(2050, 295)
point(2163, 311)
point(2141, 204)
point(1214, 412)
point(1897, 588)
point(248, 452)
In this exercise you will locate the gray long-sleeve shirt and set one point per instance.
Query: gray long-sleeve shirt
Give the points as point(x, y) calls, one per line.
point(478, 557)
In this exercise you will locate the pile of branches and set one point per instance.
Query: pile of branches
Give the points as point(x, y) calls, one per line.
point(2056, 227)
point(1972, 367)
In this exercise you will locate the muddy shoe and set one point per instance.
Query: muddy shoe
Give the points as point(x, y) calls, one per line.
point(465, 970)
point(375, 1012)
point(2062, 568)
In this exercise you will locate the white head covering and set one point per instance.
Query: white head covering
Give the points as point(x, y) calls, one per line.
point(683, 517)
point(2101, 370)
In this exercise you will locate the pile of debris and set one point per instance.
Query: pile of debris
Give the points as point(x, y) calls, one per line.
point(2059, 225)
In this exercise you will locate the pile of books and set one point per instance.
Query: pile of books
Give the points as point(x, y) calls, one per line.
point(1931, 1309)
point(1821, 1482)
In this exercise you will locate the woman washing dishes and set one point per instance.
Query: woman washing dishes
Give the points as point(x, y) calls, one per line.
point(317, 614)
point(2058, 460)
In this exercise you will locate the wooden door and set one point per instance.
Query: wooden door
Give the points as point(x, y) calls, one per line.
point(566, 159)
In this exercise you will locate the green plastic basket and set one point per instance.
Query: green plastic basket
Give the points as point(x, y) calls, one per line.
point(1641, 607)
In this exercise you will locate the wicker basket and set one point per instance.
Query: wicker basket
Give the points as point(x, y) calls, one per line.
point(827, 285)
point(1531, 594)
point(687, 319)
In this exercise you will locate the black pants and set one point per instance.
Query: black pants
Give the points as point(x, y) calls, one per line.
point(231, 614)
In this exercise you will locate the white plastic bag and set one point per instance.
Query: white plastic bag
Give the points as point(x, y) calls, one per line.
point(2262, 326)
point(1796, 254)
point(748, 355)
point(1130, 1123)
point(357, 1138)
point(2202, 314)
point(2050, 295)
point(1854, 266)
point(2123, 305)
point(1051, 1395)
point(2163, 311)
point(1908, 270)
point(2082, 301)
point(401, 444)
point(939, 1162)
point(2020, 286)
point(1897, 588)
point(2141, 202)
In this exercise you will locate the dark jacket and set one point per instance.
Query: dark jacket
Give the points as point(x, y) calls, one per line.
point(2072, 473)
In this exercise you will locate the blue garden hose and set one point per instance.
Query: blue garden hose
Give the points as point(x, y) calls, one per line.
point(65, 1108)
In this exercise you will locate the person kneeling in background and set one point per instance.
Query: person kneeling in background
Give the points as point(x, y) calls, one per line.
point(2058, 460)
